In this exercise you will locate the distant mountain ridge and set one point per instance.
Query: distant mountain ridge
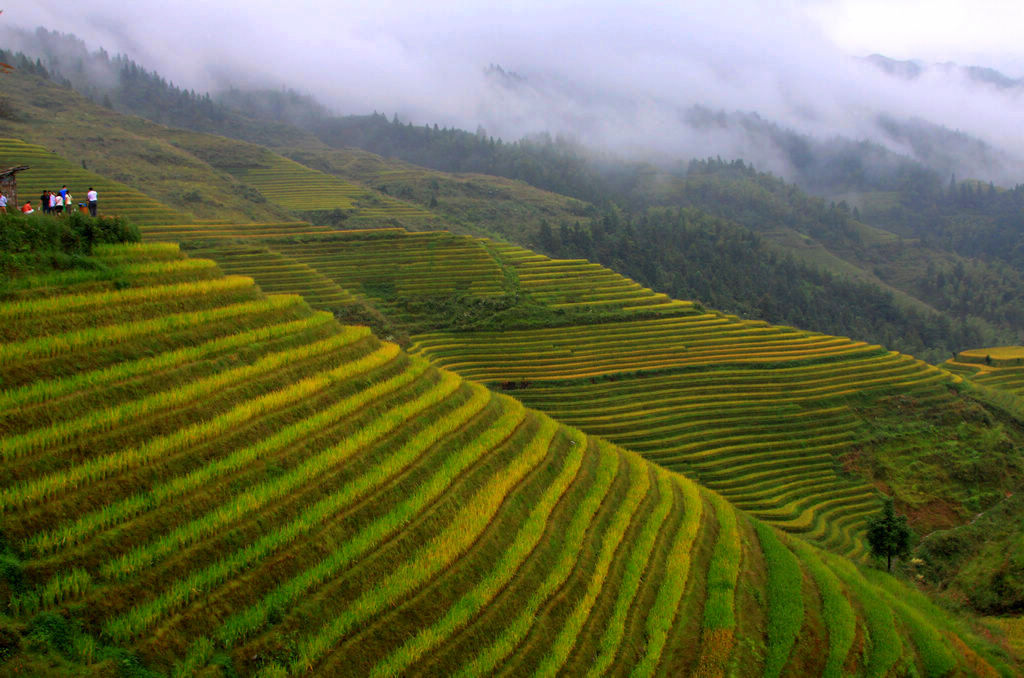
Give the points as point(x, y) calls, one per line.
point(911, 69)
point(540, 102)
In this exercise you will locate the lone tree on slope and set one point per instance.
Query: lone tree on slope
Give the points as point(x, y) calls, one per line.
point(888, 535)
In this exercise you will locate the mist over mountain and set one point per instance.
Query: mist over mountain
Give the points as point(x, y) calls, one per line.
point(912, 69)
point(654, 83)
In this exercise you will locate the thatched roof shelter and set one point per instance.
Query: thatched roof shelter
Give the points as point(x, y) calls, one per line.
point(9, 183)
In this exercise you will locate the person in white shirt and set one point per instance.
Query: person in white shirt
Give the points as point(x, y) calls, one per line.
point(59, 205)
point(3, 202)
point(92, 198)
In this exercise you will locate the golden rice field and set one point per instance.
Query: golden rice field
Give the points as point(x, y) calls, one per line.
point(760, 413)
point(392, 267)
point(200, 232)
point(202, 479)
point(398, 270)
point(280, 180)
point(303, 189)
point(331, 268)
point(49, 171)
point(278, 274)
point(997, 355)
point(578, 283)
point(410, 264)
point(999, 367)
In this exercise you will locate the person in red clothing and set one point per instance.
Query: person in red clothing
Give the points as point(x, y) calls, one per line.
point(27, 208)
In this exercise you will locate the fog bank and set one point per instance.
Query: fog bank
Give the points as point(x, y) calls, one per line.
point(617, 77)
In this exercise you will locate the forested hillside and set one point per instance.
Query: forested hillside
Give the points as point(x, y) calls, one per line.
point(967, 217)
point(692, 255)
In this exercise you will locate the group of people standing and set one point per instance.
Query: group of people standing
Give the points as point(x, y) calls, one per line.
point(56, 202)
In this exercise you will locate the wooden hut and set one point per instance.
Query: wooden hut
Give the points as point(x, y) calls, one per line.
point(9, 183)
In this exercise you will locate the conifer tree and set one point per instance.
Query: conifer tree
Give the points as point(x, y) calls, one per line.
point(888, 534)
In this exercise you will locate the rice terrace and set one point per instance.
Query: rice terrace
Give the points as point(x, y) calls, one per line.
point(327, 423)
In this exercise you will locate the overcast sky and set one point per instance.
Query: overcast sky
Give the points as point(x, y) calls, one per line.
point(979, 32)
point(612, 72)
point(983, 31)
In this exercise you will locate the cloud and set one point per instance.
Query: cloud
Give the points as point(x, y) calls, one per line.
point(614, 75)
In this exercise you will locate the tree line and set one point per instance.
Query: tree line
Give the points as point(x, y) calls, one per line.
point(690, 254)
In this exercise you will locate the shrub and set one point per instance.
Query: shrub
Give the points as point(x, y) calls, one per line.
point(51, 630)
point(10, 642)
point(24, 237)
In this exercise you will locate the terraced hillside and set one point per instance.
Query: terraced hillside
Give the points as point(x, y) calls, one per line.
point(403, 273)
point(277, 274)
point(764, 414)
point(216, 231)
point(578, 283)
point(414, 277)
point(760, 413)
point(474, 202)
point(693, 394)
point(1000, 367)
point(168, 165)
point(410, 264)
point(303, 189)
point(49, 171)
point(280, 180)
point(199, 478)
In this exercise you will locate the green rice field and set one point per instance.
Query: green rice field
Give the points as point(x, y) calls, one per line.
point(200, 478)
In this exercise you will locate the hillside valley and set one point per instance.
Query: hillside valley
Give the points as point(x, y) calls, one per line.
point(290, 406)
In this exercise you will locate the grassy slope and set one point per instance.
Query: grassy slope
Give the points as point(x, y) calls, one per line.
point(981, 563)
point(812, 252)
point(470, 203)
point(784, 234)
point(129, 150)
point(48, 171)
point(264, 491)
point(200, 175)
